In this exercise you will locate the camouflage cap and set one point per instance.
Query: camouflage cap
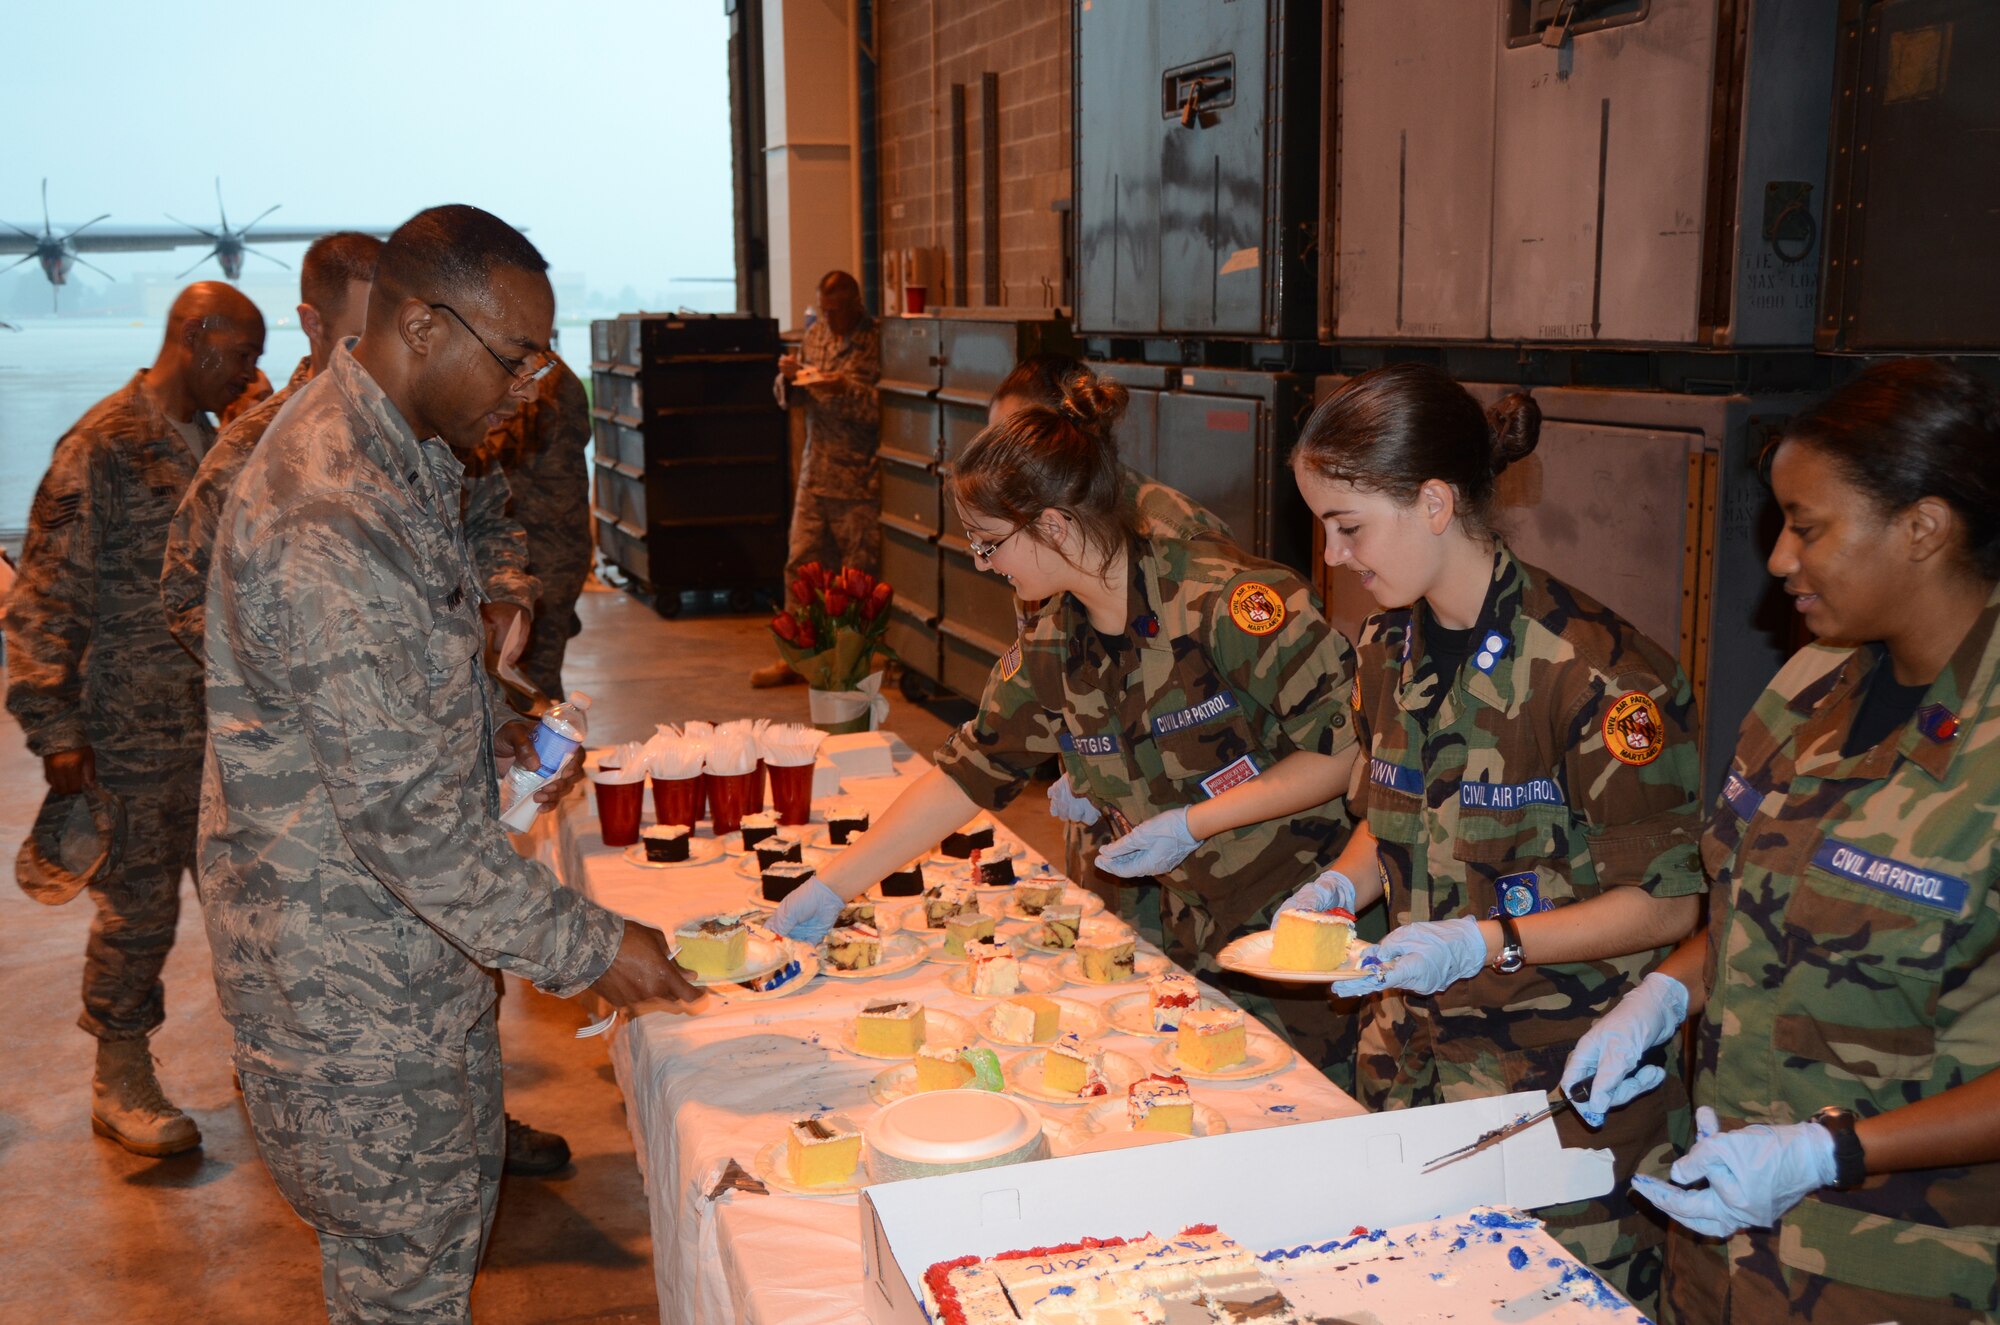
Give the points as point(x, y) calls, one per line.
point(76, 840)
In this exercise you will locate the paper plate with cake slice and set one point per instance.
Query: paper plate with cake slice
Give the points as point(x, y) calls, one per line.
point(700, 851)
point(1030, 980)
point(789, 979)
point(1132, 1014)
point(1103, 1072)
point(938, 951)
point(815, 1157)
point(1107, 1125)
point(1023, 1022)
point(1300, 948)
point(751, 868)
point(1088, 902)
point(941, 1030)
point(724, 950)
point(1079, 968)
point(761, 825)
point(1263, 1053)
point(899, 952)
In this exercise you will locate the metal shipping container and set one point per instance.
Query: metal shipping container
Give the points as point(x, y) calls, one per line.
point(1916, 179)
point(1196, 155)
point(1656, 172)
point(1224, 438)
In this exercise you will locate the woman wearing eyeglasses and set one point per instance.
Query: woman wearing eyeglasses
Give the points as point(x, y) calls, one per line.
point(1845, 996)
point(1531, 795)
point(1193, 695)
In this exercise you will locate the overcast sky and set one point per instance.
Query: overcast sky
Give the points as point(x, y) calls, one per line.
point(601, 126)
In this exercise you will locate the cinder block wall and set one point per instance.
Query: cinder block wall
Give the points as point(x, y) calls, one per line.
point(1025, 42)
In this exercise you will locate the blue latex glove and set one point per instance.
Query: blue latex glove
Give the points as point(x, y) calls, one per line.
point(1329, 891)
point(808, 914)
point(1608, 1054)
point(1154, 847)
point(1069, 807)
point(1755, 1174)
point(1421, 957)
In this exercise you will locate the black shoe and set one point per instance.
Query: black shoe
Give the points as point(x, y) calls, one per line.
point(533, 1154)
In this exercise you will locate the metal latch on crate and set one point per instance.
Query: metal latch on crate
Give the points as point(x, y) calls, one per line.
point(1192, 89)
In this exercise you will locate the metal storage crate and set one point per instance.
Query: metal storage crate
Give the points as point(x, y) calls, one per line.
point(911, 518)
point(1650, 502)
point(1196, 146)
point(1656, 176)
point(691, 476)
point(1138, 431)
point(1224, 438)
point(1916, 179)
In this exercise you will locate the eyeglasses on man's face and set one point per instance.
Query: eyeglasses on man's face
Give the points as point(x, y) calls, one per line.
point(524, 371)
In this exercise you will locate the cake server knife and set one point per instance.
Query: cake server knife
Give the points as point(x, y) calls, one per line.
point(1486, 1140)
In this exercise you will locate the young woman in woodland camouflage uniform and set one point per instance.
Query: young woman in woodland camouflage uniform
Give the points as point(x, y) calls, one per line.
point(1193, 695)
point(1847, 996)
point(1531, 790)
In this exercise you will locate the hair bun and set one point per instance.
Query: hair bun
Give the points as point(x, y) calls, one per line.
point(1092, 403)
point(1514, 425)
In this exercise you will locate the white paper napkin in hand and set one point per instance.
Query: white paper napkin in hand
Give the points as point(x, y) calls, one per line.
point(790, 744)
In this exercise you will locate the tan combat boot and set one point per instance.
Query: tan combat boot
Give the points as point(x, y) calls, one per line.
point(127, 1104)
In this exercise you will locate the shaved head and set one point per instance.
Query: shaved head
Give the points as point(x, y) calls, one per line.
point(215, 336)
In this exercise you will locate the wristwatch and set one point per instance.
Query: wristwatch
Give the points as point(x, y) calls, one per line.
point(1511, 958)
point(1850, 1165)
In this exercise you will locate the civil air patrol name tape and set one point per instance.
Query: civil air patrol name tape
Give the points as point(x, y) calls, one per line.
point(1939, 892)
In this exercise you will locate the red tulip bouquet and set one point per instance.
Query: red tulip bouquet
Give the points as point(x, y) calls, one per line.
point(831, 636)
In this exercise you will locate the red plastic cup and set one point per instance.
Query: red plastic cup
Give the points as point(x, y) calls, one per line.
point(759, 792)
point(619, 806)
point(729, 797)
point(678, 800)
point(913, 299)
point(792, 792)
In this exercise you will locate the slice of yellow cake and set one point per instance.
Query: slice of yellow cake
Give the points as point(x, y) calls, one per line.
point(1311, 940)
point(1212, 1040)
point(967, 927)
point(942, 1067)
point(1160, 1104)
point(1106, 957)
point(1071, 1067)
point(1027, 1019)
point(822, 1152)
point(712, 948)
point(890, 1029)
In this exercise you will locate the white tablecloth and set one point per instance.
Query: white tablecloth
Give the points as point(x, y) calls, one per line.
point(702, 1089)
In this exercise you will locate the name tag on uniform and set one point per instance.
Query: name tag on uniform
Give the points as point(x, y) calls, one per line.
point(1395, 777)
point(1181, 719)
point(1742, 797)
point(1107, 744)
point(1509, 795)
point(1940, 892)
point(1230, 775)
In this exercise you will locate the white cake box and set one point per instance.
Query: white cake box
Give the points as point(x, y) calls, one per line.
point(1275, 1187)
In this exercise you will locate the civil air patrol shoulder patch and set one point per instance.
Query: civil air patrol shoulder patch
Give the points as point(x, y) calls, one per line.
point(1256, 608)
point(1010, 662)
point(1633, 730)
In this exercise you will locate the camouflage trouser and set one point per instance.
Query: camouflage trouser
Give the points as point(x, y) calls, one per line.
point(139, 902)
point(1134, 901)
point(1408, 1059)
point(836, 532)
point(1745, 1281)
point(399, 1178)
point(555, 624)
point(1323, 1031)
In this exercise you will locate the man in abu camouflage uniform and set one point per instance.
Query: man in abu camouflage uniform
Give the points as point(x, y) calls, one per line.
point(540, 451)
point(333, 301)
point(102, 692)
point(1553, 764)
point(1227, 669)
point(354, 878)
point(837, 509)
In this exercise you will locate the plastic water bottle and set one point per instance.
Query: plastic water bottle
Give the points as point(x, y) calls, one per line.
point(559, 736)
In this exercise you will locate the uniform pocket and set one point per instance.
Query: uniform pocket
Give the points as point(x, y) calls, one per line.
point(1924, 1261)
point(361, 1161)
point(1526, 849)
point(1881, 963)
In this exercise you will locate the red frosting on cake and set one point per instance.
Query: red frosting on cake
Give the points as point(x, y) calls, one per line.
point(938, 1277)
